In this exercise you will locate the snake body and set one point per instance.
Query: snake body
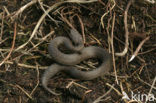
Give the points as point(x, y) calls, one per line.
point(67, 61)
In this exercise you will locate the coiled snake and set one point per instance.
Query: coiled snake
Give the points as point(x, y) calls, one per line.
point(67, 61)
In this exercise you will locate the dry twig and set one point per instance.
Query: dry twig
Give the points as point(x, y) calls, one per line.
point(138, 48)
point(112, 36)
point(126, 31)
point(154, 82)
point(82, 28)
point(26, 66)
point(41, 4)
point(107, 13)
point(12, 47)
point(24, 7)
point(2, 26)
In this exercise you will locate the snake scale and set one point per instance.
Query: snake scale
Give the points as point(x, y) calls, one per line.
point(66, 62)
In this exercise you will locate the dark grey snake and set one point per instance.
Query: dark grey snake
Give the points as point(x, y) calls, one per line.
point(67, 61)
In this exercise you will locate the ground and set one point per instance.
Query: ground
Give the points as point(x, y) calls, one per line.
point(26, 30)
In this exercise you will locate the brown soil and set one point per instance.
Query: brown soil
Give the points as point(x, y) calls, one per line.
point(21, 69)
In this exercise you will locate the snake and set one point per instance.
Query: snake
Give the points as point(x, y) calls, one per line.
point(65, 62)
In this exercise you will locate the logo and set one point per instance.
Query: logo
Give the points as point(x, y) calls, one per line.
point(138, 97)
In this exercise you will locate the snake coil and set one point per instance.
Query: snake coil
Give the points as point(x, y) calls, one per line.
point(67, 61)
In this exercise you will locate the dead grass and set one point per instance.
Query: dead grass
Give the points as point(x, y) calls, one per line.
point(127, 27)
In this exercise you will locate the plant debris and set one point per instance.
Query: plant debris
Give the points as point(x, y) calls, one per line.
point(126, 28)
